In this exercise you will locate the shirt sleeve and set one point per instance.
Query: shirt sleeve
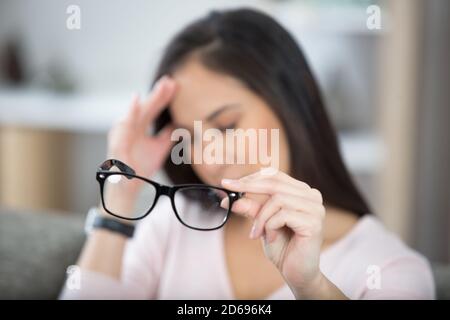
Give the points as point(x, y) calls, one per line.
point(143, 261)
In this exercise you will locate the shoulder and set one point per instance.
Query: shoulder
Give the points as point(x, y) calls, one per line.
point(372, 262)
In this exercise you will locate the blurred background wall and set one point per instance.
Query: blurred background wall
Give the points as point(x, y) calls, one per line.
point(386, 90)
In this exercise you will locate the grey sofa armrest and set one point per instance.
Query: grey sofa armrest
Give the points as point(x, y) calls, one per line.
point(441, 274)
point(35, 251)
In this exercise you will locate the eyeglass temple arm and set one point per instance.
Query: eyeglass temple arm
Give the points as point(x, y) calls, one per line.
point(108, 164)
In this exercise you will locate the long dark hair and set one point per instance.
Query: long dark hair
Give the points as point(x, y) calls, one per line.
point(254, 48)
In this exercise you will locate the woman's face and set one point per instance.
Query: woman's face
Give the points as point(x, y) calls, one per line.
point(222, 102)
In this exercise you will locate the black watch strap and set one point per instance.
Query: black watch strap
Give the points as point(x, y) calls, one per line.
point(114, 225)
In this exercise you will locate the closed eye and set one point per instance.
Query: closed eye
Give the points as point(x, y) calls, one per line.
point(224, 128)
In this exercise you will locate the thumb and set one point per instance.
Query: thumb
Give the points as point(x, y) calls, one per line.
point(244, 206)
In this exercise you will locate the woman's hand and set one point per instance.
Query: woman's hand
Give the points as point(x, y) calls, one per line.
point(130, 141)
point(290, 222)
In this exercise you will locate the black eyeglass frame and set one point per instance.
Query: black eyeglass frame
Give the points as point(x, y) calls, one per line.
point(103, 172)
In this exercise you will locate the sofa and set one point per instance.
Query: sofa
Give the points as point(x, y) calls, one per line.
point(35, 250)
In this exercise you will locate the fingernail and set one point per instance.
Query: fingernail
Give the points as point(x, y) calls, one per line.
point(253, 231)
point(224, 203)
point(229, 181)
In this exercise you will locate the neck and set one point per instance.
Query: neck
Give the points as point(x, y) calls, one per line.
point(337, 224)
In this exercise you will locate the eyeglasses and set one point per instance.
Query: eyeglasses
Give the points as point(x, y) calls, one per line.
point(115, 178)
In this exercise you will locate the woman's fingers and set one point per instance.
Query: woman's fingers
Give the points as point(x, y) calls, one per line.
point(299, 222)
point(159, 97)
point(244, 206)
point(255, 186)
point(141, 113)
point(165, 133)
point(278, 176)
point(269, 185)
point(284, 201)
point(287, 195)
point(133, 112)
point(131, 117)
point(163, 139)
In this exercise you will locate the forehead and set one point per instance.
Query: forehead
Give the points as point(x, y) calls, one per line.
point(200, 91)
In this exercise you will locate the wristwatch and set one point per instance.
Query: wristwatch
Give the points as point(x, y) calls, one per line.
point(96, 220)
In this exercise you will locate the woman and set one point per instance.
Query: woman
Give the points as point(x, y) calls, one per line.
point(303, 232)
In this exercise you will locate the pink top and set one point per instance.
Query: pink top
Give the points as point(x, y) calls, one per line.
point(166, 260)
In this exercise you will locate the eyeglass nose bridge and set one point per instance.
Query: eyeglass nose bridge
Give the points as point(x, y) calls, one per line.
point(165, 190)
